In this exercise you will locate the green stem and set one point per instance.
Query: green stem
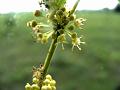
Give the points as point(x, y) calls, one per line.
point(74, 7)
point(49, 56)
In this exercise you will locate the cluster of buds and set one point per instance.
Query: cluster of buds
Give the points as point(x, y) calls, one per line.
point(48, 83)
point(32, 87)
point(37, 79)
point(40, 83)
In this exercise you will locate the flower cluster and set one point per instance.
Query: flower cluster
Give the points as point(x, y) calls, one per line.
point(62, 22)
point(40, 83)
point(37, 79)
point(48, 83)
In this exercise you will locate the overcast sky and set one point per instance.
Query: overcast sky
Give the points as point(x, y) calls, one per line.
point(31, 5)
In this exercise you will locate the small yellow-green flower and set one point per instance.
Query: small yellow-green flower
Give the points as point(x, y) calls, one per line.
point(79, 22)
point(76, 42)
point(35, 80)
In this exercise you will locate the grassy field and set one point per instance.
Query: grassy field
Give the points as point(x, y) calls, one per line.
point(96, 67)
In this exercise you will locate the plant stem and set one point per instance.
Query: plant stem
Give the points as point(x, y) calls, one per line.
point(49, 56)
point(74, 7)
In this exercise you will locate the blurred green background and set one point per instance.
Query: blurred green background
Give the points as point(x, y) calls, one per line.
point(96, 67)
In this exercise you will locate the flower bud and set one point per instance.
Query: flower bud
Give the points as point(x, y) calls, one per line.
point(44, 88)
point(53, 87)
point(28, 86)
point(54, 21)
point(48, 77)
point(45, 38)
point(71, 27)
point(59, 12)
point(35, 87)
point(77, 23)
point(63, 9)
point(40, 35)
point(64, 17)
point(72, 17)
point(49, 87)
point(62, 38)
point(74, 35)
point(33, 23)
point(37, 13)
point(52, 83)
point(66, 21)
point(35, 80)
point(46, 81)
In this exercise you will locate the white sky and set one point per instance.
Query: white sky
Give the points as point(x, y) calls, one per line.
point(31, 5)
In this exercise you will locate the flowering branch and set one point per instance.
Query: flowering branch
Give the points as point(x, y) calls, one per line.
point(62, 23)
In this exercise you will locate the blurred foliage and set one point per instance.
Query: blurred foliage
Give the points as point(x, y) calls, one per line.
point(96, 67)
point(117, 8)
